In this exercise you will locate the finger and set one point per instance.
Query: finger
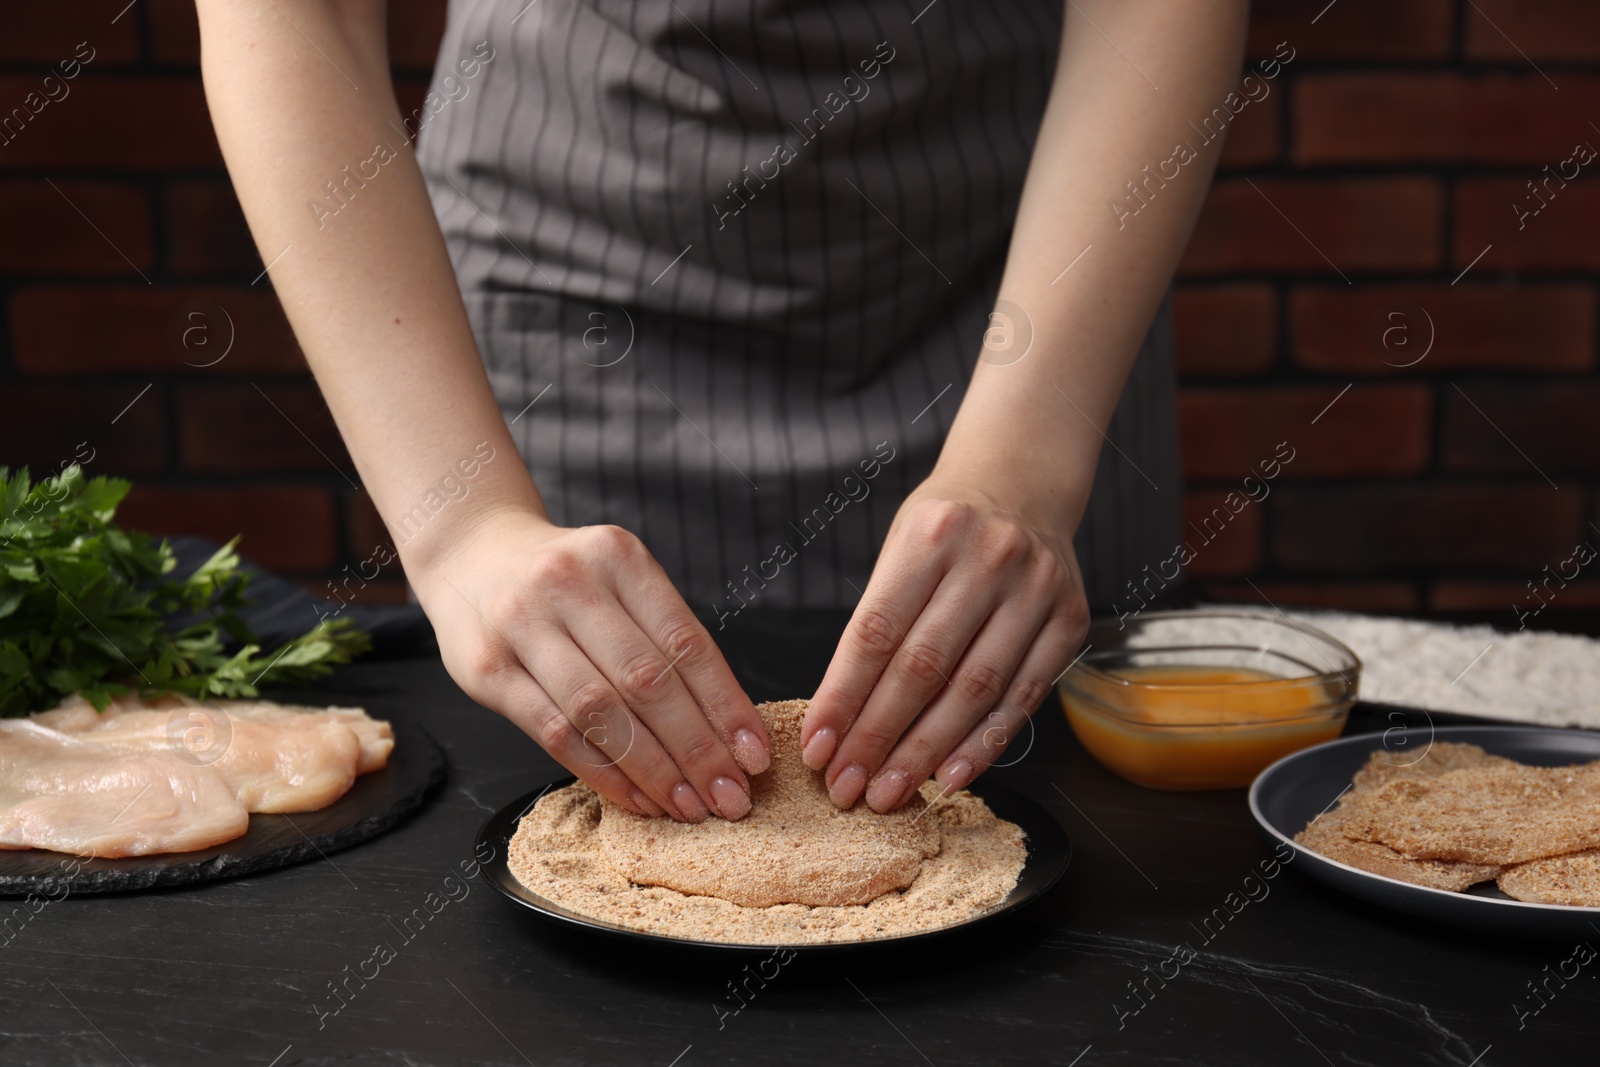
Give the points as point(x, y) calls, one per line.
point(663, 616)
point(977, 685)
point(601, 717)
point(895, 597)
point(915, 675)
point(984, 745)
point(641, 674)
point(517, 697)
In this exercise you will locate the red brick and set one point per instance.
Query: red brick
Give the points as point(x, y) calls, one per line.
point(44, 426)
point(45, 235)
point(1549, 29)
point(205, 230)
point(1225, 330)
point(1560, 238)
point(1359, 224)
point(409, 94)
point(1439, 118)
point(1253, 136)
point(132, 328)
point(1226, 543)
point(1370, 430)
point(365, 529)
point(174, 31)
point(1380, 596)
point(50, 33)
point(225, 429)
point(1371, 530)
point(1514, 597)
point(289, 528)
point(1337, 329)
point(368, 542)
point(415, 28)
point(1551, 428)
point(145, 123)
point(1399, 29)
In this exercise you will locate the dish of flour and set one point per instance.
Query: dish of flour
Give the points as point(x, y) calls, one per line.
point(1549, 679)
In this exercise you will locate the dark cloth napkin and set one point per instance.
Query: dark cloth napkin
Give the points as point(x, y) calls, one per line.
point(280, 610)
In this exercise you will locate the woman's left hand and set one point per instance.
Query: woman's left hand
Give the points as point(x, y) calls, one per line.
point(975, 607)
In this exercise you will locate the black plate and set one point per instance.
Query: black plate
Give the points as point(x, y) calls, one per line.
point(375, 803)
point(1049, 855)
point(1290, 793)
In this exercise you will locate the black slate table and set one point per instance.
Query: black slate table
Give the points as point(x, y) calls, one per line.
point(244, 972)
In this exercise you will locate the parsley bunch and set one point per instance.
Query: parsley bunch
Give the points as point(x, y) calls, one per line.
point(85, 607)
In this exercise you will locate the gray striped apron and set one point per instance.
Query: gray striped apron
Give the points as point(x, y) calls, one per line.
point(729, 264)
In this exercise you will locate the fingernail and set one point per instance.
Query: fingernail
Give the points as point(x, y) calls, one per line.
point(751, 754)
point(688, 802)
point(819, 750)
point(953, 776)
point(644, 803)
point(732, 804)
point(847, 787)
point(888, 791)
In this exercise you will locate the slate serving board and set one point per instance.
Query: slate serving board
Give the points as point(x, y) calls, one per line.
point(377, 802)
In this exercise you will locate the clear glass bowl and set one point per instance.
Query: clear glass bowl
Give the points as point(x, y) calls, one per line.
point(1206, 699)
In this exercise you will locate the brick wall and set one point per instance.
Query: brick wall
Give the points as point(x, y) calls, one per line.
point(124, 267)
point(1364, 209)
point(1375, 196)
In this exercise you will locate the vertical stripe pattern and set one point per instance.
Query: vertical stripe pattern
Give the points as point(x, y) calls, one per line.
point(743, 253)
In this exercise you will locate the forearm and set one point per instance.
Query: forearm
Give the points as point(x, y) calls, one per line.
point(360, 267)
point(1104, 124)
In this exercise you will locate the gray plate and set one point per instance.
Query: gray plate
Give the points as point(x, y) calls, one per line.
point(1049, 855)
point(1290, 793)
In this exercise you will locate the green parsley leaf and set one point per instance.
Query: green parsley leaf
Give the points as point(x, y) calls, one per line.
point(85, 606)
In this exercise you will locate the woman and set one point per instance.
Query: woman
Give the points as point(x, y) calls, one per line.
point(780, 303)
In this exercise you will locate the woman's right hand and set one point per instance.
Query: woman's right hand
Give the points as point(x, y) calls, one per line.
point(578, 637)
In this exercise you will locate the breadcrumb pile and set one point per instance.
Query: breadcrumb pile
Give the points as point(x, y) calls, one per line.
point(1459, 816)
point(795, 871)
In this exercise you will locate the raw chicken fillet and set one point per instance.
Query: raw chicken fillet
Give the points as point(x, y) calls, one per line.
point(173, 776)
